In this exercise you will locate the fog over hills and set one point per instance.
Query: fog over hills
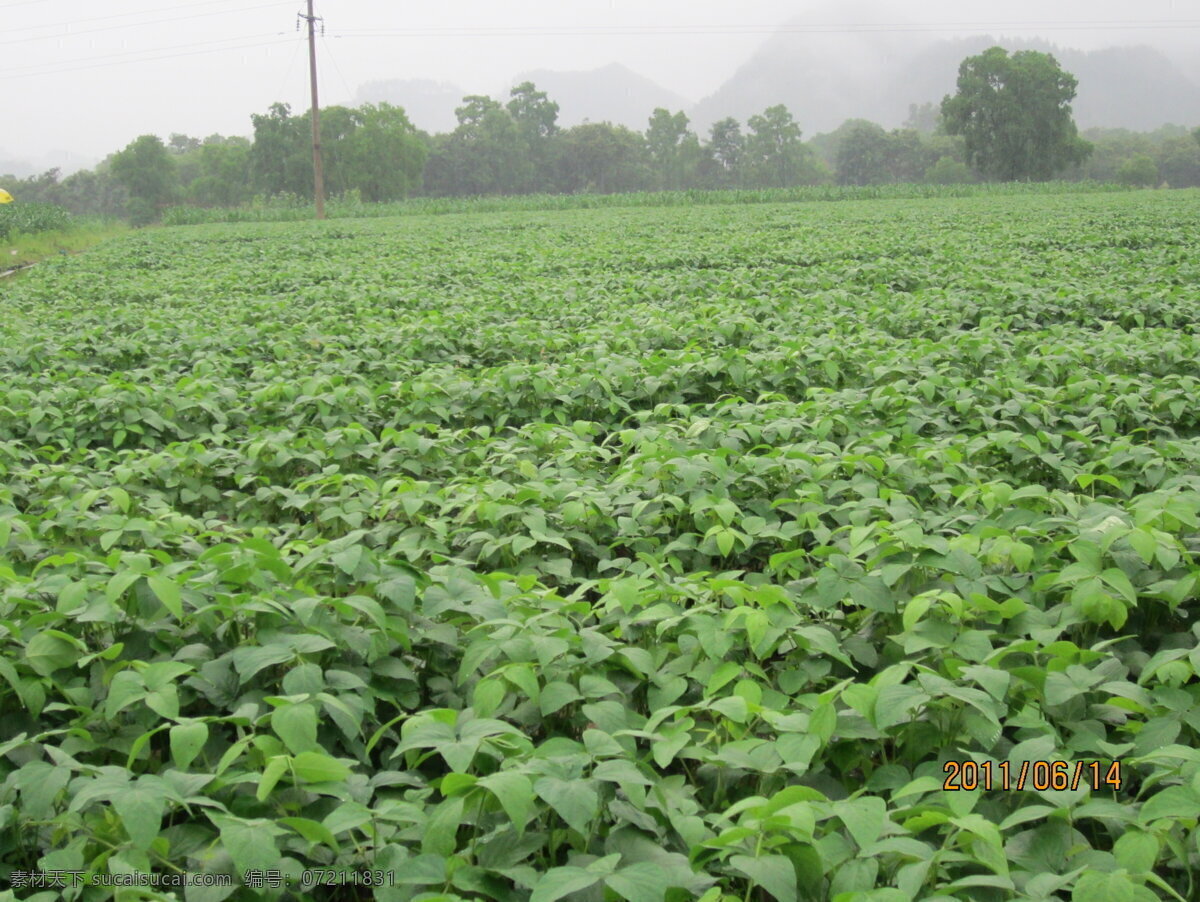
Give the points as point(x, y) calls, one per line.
point(860, 76)
point(613, 93)
point(430, 104)
point(1133, 87)
point(63, 160)
point(827, 78)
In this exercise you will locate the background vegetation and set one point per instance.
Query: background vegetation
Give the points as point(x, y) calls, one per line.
point(373, 154)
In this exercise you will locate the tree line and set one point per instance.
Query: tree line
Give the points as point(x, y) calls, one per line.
point(1010, 119)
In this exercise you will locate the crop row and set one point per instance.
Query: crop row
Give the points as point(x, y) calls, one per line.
point(651, 554)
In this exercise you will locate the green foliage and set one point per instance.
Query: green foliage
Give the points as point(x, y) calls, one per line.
point(1139, 171)
point(148, 173)
point(674, 150)
point(602, 158)
point(651, 554)
point(775, 156)
point(289, 208)
point(31, 219)
point(868, 155)
point(949, 171)
point(371, 149)
point(726, 154)
point(487, 153)
point(1014, 113)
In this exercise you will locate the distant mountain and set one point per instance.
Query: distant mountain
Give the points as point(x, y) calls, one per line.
point(827, 76)
point(18, 168)
point(613, 93)
point(65, 161)
point(825, 79)
point(430, 105)
point(1119, 87)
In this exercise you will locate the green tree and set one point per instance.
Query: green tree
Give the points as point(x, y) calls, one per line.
point(862, 155)
point(224, 172)
point(924, 118)
point(536, 116)
point(386, 153)
point(1140, 171)
point(949, 171)
point(775, 156)
point(181, 144)
point(1014, 113)
point(149, 175)
point(485, 154)
point(281, 155)
point(1179, 162)
point(674, 150)
point(533, 111)
point(727, 153)
point(603, 158)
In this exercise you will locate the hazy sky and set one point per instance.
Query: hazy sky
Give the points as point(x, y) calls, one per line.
point(86, 78)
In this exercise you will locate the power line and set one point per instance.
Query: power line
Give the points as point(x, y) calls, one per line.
point(721, 30)
point(133, 54)
point(287, 76)
point(329, 55)
point(139, 12)
point(71, 34)
point(149, 59)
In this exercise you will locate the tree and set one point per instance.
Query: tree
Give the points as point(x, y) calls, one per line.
point(604, 158)
point(867, 155)
point(1140, 171)
point(181, 144)
point(536, 116)
point(281, 155)
point(224, 172)
point(924, 118)
point(949, 171)
point(1179, 162)
point(862, 155)
point(485, 154)
point(775, 157)
point(386, 154)
point(1014, 113)
point(533, 111)
point(147, 171)
point(372, 149)
point(727, 151)
point(674, 150)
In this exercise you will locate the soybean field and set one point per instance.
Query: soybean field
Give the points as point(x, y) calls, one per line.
point(778, 552)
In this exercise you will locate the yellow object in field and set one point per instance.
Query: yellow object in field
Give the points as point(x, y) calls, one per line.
point(5, 197)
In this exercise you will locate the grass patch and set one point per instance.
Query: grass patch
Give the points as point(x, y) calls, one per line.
point(291, 208)
point(22, 250)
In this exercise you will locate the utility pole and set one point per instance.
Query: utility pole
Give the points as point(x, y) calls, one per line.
point(318, 173)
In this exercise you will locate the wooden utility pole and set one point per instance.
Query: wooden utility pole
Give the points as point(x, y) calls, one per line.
point(318, 173)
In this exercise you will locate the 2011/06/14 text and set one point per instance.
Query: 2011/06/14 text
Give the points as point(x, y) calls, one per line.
point(969, 776)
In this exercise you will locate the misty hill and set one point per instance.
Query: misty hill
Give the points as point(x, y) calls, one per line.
point(823, 78)
point(65, 161)
point(613, 93)
point(827, 78)
point(11, 166)
point(1137, 88)
point(429, 104)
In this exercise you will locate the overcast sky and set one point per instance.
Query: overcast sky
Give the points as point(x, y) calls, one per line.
point(84, 79)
